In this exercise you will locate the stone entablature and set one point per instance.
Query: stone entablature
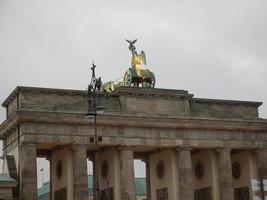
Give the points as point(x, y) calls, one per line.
point(135, 116)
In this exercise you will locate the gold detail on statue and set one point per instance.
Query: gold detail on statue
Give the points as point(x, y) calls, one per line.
point(136, 75)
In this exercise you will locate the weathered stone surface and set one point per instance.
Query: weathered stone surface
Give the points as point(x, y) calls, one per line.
point(139, 136)
point(147, 120)
point(161, 102)
point(13, 106)
point(6, 193)
point(28, 172)
point(80, 185)
point(261, 160)
point(225, 174)
point(128, 190)
point(222, 109)
point(185, 174)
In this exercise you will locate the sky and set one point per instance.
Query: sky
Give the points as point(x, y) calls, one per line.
point(213, 49)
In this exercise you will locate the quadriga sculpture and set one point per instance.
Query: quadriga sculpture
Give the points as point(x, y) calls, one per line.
point(135, 76)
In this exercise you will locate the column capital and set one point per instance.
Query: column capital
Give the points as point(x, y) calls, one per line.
point(181, 148)
point(126, 147)
point(223, 149)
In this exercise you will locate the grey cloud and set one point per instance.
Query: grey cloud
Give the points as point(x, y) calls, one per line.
point(215, 49)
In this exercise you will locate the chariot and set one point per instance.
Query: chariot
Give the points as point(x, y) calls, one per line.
point(136, 76)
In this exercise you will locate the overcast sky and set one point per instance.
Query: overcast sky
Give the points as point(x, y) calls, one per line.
point(214, 49)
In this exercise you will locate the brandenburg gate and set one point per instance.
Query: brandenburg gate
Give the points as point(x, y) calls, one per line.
point(193, 148)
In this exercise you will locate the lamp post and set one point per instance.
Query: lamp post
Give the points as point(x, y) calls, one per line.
point(94, 108)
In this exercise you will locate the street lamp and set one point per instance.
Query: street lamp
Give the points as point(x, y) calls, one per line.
point(94, 108)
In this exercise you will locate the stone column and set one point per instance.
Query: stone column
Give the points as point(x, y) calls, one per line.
point(185, 174)
point(148, 183)
point(128, 190)
point(28, 171)
point(225, 174)
point(261, 161)
point(80, 185)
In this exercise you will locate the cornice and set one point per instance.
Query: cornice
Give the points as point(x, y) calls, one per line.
point(39, 90)
point(226, 102)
